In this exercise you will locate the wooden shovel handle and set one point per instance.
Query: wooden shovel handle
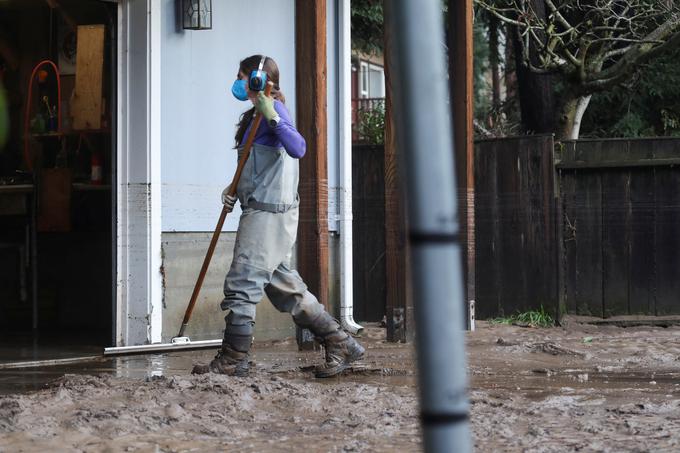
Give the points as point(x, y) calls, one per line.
point(220, 223)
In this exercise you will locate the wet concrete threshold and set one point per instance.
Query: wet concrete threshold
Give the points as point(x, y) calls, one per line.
point(62, 346)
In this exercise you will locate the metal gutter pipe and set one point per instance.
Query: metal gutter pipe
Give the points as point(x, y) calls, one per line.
point(425, 146)
point(345, 147)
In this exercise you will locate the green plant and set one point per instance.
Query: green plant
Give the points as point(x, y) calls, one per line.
point(371, 124)
point(646, 106)
point(367, 26)
point(531, 318)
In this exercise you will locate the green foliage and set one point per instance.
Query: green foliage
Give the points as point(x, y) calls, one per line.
point(503, 120)
point(531, 318)
point(371, 125)
point(631, 125)
point(480, 65)
point(586, 46)
point(367, 26)
point(647, 106)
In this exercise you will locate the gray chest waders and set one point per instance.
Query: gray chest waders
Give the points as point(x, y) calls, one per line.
point(180, 338)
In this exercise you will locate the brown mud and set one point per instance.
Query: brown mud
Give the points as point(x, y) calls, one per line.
point(580, 388)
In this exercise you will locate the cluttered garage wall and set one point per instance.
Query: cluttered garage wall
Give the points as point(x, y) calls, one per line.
point(56, 64)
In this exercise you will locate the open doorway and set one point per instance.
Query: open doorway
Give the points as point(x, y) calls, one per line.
point(57, 286)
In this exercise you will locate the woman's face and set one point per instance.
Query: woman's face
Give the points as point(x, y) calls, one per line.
point(252, 95)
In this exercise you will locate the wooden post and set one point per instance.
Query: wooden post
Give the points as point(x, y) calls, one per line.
point(310, 82)
point(460, 71)
point(399, 303)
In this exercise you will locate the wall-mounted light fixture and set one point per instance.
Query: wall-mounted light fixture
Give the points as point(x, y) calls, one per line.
point(197, 14)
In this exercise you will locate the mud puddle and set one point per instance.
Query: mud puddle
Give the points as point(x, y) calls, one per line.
point(585, 388)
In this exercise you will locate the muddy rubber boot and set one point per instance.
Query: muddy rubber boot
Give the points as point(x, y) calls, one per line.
point(227, 361)
point(340, 348)
point(233, 358)
point(340, 353)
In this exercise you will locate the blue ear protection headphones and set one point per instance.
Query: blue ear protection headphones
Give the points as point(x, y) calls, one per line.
point(258, 78)
point(256, 82)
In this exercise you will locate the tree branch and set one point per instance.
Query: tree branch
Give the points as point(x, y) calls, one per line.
point(580, 38)
point(644, 50)
point(559, 16)
point(601, 83)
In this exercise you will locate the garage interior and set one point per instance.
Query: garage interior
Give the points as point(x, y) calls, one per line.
point(57, 208)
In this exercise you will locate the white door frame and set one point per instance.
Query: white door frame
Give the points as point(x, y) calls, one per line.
point(139, 285)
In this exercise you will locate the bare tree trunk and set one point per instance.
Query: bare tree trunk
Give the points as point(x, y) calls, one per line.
point(510, 74)
point(536, 97)
point(571, 115)
point(493, 60)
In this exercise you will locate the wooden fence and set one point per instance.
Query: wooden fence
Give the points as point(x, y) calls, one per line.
point(515, 233)
point(588, 227)
point(368, 208)
point(616, 205)
point(620, 205)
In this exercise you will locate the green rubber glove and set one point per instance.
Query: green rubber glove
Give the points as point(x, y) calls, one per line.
point(4, 118)
point(265, 105)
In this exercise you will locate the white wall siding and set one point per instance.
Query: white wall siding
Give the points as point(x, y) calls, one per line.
point(199, 112)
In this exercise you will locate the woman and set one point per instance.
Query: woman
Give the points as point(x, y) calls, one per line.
point(267, 231)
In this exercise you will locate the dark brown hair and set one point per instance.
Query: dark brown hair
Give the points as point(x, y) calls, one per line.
point(247, 66)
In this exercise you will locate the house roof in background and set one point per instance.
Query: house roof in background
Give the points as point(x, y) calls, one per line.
point(375, 59)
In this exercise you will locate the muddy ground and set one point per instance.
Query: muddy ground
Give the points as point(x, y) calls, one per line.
point(580, 388)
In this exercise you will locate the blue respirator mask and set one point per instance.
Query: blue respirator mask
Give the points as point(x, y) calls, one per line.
point(238, 89)
point(256, 82)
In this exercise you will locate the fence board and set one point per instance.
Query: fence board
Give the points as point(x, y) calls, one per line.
point(667, 241)
point(510, 236)
point(642, 199)
point(640, 152)
point(588, 224)
point(487, 278)
point(662, 149)
point(615, 241)
point(541, 277)
point(568, 213)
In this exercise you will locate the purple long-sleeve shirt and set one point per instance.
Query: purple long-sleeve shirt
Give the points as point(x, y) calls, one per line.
point(283, 134)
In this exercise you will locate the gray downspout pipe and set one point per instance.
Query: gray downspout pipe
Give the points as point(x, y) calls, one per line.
point(425, 147)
